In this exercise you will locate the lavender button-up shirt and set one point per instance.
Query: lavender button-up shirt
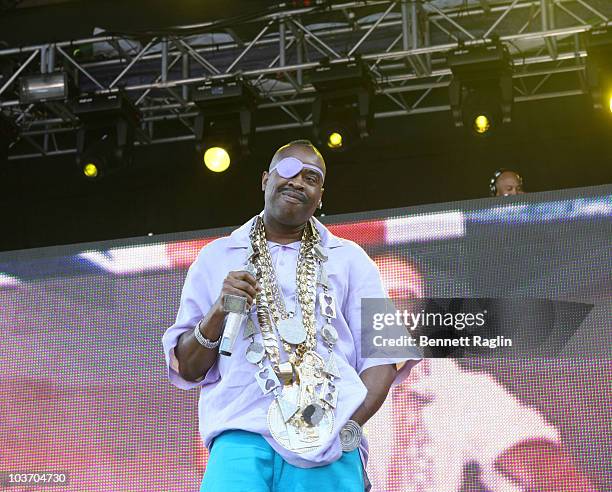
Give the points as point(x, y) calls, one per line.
point(230, 397)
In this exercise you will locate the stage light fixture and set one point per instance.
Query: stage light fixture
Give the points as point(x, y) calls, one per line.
point(339, 131)
point(105, 141)
point(482, 124)
point(43, 87)
point(334, 140)
point(225, 120)
point(480, 111)
point(599, 67)
point(90, 170)
point(102, 156)
point(343, 104)
point(217, 159)
point(481, 86)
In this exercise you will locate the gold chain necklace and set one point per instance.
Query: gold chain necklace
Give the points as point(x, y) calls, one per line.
point(270, 304)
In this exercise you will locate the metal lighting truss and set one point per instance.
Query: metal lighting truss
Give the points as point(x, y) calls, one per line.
point(404, 42)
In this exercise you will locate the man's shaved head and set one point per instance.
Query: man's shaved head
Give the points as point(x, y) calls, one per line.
point(298, 148)
point(508, 183)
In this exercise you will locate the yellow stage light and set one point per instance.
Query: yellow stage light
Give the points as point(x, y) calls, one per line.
point(90, 170)
point(334, 141)
point(481, 124)
point(216, 159)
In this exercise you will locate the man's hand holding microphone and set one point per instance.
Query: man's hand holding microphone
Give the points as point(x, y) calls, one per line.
point(196, 350)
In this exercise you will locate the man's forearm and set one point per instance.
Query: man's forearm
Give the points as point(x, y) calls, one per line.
point(377, 380)
point(194, 360)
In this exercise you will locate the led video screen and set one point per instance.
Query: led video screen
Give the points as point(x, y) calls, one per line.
point(84, 391)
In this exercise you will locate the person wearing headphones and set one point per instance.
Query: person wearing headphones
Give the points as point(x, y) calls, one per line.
point(506, 182)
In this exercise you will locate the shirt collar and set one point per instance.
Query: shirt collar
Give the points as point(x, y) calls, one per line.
point(239, 238)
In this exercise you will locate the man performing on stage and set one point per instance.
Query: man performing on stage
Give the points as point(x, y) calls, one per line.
point(284, 411)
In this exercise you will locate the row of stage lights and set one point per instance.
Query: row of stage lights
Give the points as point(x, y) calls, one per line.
point(480, 96)
point(218, 160)
point(223, 110)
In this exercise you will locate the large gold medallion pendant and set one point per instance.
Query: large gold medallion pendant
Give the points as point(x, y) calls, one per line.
point(299, 420)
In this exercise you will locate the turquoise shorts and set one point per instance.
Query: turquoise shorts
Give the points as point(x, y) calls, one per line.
point(242, 461)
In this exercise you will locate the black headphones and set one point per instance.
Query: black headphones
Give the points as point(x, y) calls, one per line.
point(496, 175)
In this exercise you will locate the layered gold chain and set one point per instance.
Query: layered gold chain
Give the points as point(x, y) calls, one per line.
point(271, 307)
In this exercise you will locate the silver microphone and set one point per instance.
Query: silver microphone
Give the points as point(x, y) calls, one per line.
point(236, 309)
